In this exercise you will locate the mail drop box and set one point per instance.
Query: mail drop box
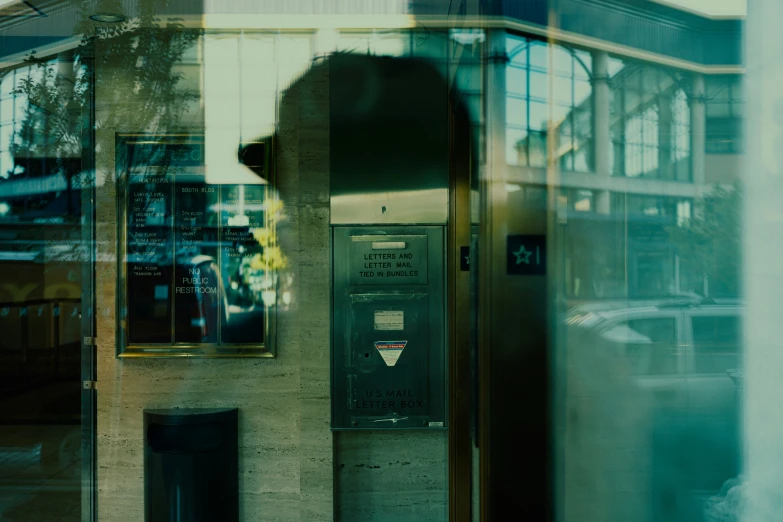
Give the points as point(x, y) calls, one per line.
point(388, 357)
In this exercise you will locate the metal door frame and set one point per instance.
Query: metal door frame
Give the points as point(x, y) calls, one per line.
point(88, 345)
point(458, 281)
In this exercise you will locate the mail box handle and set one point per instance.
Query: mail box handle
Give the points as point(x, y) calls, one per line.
point(388, 245)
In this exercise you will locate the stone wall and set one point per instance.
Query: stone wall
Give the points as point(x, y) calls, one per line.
point(391, 476)
point(287, 453)
point(285, 445)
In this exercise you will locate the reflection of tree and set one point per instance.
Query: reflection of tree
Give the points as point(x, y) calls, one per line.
point(140, 90)
point(271, 259)
point(134, 67)
point(262, 271)
point(54, 120)
point(136, 61)
point(139, 86)
point(709, 245)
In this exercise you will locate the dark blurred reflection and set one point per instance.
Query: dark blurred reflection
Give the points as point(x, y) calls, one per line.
point(42, 119)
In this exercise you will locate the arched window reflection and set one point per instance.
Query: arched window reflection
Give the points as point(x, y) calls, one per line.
point(548, 90)
point(650, 123)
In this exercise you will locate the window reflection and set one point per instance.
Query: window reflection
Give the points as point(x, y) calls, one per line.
point(543, 98)
point(724, 107)
point(650, 122)
point(644, 265)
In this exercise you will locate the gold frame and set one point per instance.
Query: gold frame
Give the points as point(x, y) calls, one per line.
point(267, 349)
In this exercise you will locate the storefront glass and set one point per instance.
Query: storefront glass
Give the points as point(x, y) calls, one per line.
point(44, 178)
point(388, 261)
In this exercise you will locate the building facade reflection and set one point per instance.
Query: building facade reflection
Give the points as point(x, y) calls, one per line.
point(623, 153)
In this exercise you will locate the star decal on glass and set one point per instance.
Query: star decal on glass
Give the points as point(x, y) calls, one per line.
point(522, 255)
point(526, 254)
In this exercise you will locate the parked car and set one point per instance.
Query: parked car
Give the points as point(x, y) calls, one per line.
point(685, 356)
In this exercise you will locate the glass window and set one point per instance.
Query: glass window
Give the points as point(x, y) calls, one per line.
point(516, 79)
point(646, 428)
point(6, 167)
point(539, 56)
point(647, 252)
point(582, 157)
point(517, 50)
point(583, 65)
point(562, 91)
point(562, 62)
point(724, 107)
point(650, 118)
point(516, 112)
point(719, 109)
point(6, 133)
point(42, 299)
point(539, 86)
point(548, 82)
point(6, 110)
point(294, 49)
point(582, 92)
point(7, 84)
point(539, 115)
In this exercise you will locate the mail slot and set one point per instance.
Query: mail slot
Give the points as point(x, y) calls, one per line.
point(389, 328)
point(392, 262)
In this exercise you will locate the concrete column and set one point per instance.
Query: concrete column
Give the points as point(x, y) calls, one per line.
point(601, 137)
point(763, 272)
point(698, 130)
point(665, 133)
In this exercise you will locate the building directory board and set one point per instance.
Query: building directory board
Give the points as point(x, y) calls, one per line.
point(200, 263)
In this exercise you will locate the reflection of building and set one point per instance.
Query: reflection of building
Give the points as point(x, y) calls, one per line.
point(629, 138)
point(635, 144)
point(615, 120)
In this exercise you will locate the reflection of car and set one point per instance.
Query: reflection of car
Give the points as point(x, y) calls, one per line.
point(686, 354)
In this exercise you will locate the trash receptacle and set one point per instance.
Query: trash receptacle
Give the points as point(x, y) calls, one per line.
point(190, 465)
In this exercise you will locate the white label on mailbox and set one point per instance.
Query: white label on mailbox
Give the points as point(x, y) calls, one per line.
point(390, 350)
point(389, 320)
